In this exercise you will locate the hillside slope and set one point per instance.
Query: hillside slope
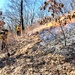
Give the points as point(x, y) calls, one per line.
point(32, 56)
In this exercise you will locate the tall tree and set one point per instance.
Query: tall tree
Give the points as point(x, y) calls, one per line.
point(22, 23)
point(22, 12)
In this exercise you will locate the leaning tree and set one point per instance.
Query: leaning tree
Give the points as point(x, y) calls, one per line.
point(56, 9)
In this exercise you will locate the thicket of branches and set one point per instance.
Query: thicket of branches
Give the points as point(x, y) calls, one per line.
point(27, 9)
point(25, 12)
point(57, 8)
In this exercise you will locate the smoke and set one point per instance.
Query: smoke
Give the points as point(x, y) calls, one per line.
point(49, 34)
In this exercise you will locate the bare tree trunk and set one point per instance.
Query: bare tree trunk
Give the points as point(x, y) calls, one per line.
point(22, 23)
point(63, 34)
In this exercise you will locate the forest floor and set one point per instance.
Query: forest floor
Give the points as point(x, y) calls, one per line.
point(30, 55)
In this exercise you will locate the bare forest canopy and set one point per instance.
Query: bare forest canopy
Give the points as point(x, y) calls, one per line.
point(31, 10)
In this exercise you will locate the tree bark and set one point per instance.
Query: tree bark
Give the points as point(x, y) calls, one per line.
point(22, 22)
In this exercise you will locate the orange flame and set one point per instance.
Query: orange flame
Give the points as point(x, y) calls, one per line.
point(54, 23)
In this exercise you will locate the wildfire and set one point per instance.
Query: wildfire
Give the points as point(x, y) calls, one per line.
point(63, 20)
point(53, 24)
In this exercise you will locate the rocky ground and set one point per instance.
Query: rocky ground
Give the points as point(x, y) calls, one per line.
point(34, 56)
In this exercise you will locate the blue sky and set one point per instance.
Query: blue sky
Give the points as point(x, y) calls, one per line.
point(2, 3)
